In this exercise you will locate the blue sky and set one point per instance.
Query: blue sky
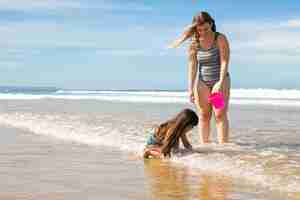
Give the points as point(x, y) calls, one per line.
point(119, 44)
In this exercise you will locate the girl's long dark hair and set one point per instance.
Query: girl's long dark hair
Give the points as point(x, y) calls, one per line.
point(185, 118)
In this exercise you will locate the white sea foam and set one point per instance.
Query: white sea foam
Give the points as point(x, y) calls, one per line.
point(261, 93)
point(236, 93)
point(271, 97)
point(70, 128)
point(155, 93)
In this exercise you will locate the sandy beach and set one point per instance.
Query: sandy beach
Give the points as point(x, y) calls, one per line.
point(38, 167)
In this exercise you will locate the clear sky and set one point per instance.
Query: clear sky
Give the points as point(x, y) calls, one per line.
point(120, 44)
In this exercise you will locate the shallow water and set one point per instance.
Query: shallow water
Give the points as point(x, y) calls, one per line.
point(262, 162)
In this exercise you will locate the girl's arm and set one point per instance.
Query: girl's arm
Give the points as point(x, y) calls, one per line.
point(186, 142)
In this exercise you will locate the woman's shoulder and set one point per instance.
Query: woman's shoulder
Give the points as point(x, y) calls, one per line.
point(220, 36)
point(221, 39)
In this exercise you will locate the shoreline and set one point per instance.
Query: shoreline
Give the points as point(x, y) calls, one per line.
point(36, 163)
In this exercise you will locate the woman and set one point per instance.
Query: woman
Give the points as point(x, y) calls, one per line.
point(208, 51)
point(166, 136)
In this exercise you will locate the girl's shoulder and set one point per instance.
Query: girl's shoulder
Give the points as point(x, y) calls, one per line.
point(151, 140)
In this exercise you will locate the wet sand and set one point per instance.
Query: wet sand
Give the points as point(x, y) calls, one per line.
point(34, 164)
point(39, 167)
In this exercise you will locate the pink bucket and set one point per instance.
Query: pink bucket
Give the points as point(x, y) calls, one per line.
point(217, 100)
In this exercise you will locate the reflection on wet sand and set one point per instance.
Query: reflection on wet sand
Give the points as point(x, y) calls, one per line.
point(166, 181)
point(214, 188)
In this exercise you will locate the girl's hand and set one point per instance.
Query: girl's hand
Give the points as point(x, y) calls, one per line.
point(189, 147)
point(152, 153)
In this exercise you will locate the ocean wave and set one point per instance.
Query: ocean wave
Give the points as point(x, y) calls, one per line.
point(235, 93)
point(152, 93)
point(267, 97)
point(266, 93)
point(165, 98)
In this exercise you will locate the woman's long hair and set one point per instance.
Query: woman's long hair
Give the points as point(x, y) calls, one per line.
point(201, 18)
point(191, 32)
point(169, 132)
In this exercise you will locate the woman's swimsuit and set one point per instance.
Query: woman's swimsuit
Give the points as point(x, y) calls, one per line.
point(209, 63)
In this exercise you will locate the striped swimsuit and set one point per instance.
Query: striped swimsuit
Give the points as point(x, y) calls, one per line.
point(209, 63)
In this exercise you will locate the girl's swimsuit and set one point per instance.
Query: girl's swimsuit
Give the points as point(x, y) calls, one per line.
point(151, 140)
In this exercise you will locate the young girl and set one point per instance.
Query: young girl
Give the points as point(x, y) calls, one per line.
point(166, 136)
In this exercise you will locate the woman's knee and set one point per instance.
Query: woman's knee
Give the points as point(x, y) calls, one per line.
point(205, 116)
point(220, 116)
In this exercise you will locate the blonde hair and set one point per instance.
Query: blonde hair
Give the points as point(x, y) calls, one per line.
point(200, 18)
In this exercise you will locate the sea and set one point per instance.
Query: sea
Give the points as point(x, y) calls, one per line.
point(87, 144)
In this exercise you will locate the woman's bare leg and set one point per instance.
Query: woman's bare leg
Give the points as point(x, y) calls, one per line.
point(221, 116)
point(204, 110)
